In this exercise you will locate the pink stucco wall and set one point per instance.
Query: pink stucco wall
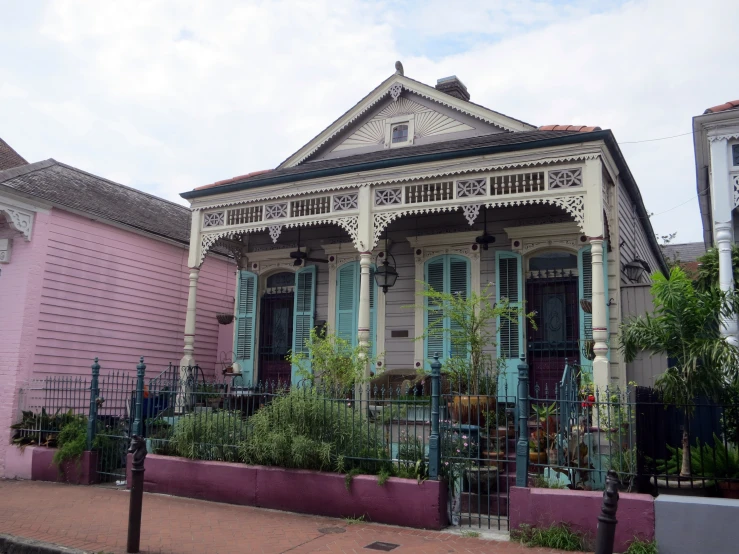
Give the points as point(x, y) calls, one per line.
point(82, 288)
point(580, 510)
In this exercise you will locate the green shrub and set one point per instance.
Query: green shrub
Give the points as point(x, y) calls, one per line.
point(72, 441)
point(638, 546)
point(556, 536)
point(303, 430)
point(208, 435)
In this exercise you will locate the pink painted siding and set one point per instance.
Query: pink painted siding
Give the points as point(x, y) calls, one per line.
point(118, 295)
point(19, 318)
point(82, 288)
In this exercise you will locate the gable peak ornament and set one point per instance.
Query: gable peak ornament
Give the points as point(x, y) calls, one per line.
point(395, 91)
point(399, 68)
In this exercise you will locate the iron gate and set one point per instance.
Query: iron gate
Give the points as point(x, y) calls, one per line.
point(477, 443)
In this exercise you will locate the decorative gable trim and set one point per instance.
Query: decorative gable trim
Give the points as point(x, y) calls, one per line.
point(391, 87)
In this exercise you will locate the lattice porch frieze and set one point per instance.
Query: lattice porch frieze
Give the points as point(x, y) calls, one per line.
point(735, 184)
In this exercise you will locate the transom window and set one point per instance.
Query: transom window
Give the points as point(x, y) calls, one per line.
point(734, 154)
point(400, 133)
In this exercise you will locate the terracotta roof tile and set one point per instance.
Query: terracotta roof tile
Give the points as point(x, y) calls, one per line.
point(233, 179)
point(579, 128)
point(730, 105)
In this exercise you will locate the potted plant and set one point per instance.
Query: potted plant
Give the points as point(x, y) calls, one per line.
point(469, 323)
point(686, 327)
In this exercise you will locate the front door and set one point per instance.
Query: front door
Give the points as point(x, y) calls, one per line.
point(275, 337)
point(554, 341)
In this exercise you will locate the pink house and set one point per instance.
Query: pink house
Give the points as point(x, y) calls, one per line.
point(89, 267)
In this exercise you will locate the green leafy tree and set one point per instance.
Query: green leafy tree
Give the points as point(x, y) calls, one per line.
point(332, 361)
point(472, 330)
point(685, 326)
point(708, 268)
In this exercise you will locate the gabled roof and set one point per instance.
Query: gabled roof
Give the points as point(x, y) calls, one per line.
point(69, 187)
point(9, 157)
point(386, 158)
point(381, 91)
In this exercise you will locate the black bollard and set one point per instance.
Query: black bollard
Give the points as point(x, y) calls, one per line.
point(138, 449)
point(607, 518)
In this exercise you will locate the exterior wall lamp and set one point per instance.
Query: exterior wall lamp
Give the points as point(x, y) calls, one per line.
point(635, 269)
point(386, 274)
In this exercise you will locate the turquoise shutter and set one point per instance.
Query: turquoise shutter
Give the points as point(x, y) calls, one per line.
point(373, 312)
point(347, 302)
point(585, 287)
point(509, 284)
point(458, 271)
point(245, 325)
point(436, 342)
point(303, 314)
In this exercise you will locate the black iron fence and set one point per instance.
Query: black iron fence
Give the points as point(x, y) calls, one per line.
point(577, 432)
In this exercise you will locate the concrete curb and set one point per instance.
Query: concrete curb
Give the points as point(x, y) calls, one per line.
point(10, 544)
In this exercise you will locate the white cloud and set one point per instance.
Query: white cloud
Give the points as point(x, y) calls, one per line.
point(171, 95)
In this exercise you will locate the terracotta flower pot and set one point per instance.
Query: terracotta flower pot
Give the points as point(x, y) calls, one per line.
point(538, 457)
point(470, 410)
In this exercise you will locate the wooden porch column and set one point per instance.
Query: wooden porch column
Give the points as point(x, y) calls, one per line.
point(722, 196)
point(365, 237)
point(601, 372)
point(188, 359)
point(365, 261)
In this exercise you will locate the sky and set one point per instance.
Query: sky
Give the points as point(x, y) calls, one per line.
point(165, 96)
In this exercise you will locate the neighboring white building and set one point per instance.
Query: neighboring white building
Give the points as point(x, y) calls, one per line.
point(716, 141)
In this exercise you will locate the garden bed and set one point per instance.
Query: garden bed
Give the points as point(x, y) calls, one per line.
point(399, 501)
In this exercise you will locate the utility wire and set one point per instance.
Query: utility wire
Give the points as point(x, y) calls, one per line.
point(655, 139)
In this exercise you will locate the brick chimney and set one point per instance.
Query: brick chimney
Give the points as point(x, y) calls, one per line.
point(453, 87)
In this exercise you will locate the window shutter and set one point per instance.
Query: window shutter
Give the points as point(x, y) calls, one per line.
point(509, 284)
point(303, 314)
point(373, 312)
point(435, 279)
point(347, 302)
point(245, 324)
point(459, 283)
point(585, 269)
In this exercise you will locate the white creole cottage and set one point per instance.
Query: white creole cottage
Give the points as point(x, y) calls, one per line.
point(450, 193)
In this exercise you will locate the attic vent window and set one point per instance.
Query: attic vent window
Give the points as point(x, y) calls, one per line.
point(400, 134)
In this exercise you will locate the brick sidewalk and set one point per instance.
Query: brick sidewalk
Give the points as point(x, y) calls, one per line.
point(95, 519)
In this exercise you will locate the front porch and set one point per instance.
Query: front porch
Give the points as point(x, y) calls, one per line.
point(308, 260)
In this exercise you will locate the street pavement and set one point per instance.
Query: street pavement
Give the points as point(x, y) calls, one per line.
point(95, 519)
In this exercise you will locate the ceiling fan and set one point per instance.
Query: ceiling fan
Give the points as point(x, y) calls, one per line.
point(301, 257)
point(485, 239)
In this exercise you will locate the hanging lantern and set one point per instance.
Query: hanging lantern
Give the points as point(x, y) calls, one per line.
point(386, 275)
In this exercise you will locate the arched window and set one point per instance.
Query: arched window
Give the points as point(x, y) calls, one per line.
point(400, 133)
point(449, 274)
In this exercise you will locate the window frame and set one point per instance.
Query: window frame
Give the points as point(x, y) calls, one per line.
point(392, 122)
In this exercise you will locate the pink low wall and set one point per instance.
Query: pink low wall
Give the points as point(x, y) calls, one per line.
point(82, 472)
point(398, 501)
point(18, 462)
point(580, 510)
